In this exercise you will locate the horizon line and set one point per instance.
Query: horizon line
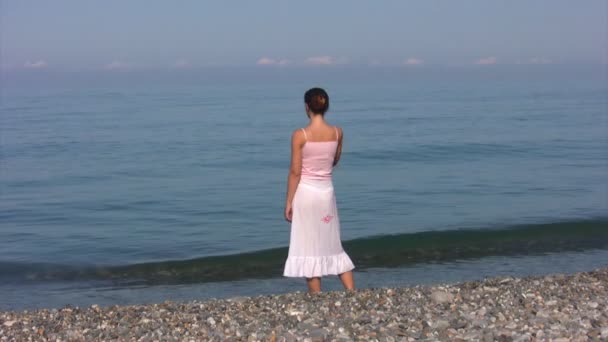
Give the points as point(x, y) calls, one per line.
point(425, 66)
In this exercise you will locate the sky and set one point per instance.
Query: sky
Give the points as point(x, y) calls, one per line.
point(116, 35)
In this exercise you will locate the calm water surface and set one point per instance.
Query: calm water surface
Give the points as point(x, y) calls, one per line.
point(110, 171)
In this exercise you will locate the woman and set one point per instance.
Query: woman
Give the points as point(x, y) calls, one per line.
point(315, 249)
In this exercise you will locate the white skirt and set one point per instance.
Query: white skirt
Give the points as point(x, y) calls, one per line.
point(315, 248)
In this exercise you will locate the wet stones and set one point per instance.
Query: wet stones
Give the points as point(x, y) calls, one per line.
point(556, 307)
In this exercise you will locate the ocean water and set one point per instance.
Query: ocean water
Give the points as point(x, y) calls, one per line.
point(145, 186)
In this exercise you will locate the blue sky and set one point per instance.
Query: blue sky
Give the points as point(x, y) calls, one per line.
point(137, 34)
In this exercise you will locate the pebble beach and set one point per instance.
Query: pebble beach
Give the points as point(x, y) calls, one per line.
point(560, 307)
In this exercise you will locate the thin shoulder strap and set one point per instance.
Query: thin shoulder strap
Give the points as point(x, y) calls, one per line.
point(337, 134)
point(305, 137)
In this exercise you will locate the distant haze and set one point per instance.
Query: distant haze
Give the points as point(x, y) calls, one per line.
point(115, 36)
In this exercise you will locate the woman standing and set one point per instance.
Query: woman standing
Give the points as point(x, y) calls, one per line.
point(315, 249)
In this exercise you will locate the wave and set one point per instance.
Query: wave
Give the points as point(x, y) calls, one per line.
point(384, 251)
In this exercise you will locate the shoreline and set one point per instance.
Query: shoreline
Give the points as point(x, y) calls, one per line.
point(532, 308)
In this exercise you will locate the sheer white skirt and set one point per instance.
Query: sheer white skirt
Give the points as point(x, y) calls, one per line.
point(315, 248)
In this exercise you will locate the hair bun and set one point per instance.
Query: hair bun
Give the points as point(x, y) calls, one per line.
point(317, 100)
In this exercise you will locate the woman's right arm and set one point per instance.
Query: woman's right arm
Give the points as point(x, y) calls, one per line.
point(339, 149)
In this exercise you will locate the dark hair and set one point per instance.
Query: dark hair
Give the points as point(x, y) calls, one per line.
point(317, 100)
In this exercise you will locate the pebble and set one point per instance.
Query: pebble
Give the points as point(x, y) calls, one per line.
point(556, 308)
point(440, 297)
point(440, 324)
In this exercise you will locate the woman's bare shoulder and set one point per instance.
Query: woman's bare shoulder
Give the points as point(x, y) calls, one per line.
point(298, 134)
point(340, 131)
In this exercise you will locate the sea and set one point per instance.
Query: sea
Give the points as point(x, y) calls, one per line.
point(140, 186)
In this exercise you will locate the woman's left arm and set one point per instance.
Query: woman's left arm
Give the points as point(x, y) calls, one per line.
point(295, 170)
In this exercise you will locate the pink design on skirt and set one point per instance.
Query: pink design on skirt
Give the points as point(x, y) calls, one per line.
point(327, 218)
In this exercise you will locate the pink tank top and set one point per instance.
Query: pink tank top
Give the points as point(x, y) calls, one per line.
point(318, 158)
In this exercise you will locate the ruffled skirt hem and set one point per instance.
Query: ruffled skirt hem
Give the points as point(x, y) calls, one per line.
point(317, 266)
